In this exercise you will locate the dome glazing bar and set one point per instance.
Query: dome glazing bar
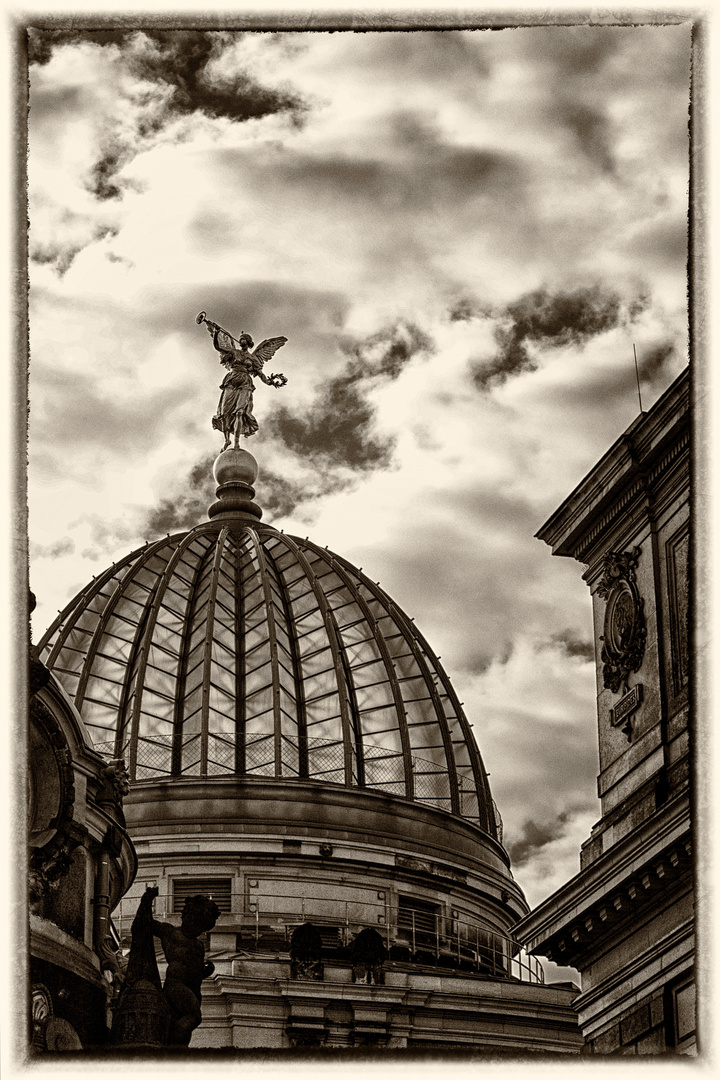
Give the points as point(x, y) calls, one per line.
point(416, 641)
point(272, 633)
point(389, 668)
point(78, 603)
point(184, 651)
point(297, 680)
point(410, 639)
point(108, 612)
point(437, 704)
point(135, 673)
point(482, 786)
point(334, 642)
point(208, 649)
point(240, 748)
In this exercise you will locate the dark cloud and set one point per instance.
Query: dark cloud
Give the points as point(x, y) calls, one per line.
point(337, 430)
point(41, 44)
point(56, 550)
point(548, 320)
point(430, 171)
point(535, 836)
point(189, 506)
point(279, 496)
point(61, 254)
point(175, 64)
point(449, 57)
point(573, 646)
point(592, 131)
point(616, 388)
point(655, 361)
point(467, 308)
point(574, 51)
point(434, 571)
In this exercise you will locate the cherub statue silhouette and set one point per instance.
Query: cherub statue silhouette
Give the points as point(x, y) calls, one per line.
point(185, 955)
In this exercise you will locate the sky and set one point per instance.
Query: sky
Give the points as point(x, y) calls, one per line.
point(461, 234)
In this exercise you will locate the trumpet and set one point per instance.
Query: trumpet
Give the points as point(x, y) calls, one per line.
point(201, 317)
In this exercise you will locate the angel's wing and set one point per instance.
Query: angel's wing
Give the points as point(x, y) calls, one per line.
point(267, 349)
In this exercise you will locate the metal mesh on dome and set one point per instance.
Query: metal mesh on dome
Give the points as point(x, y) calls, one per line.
point(238, 650)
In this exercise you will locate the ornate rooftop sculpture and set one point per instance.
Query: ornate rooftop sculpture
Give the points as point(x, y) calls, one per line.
point(234, 415)
point(146, 1016)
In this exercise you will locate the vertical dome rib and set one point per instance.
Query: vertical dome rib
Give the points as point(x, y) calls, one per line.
point(272, 638)
point(108, 611)
point(176, 764)
point(240, 755)
point(208, 649)
point(389, 669)
point(80, 603)
point(294, 648)
point(335, 648)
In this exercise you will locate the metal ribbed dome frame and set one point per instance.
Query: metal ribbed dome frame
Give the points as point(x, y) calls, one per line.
point(235, 649)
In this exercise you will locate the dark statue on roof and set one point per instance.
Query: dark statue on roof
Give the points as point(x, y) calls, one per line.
point(149, 1013)
point(234, 415)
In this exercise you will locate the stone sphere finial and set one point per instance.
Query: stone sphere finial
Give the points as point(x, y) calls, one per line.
point(235, 472)
point(235, 467)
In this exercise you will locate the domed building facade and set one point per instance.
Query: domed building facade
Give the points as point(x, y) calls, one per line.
point(297, 753)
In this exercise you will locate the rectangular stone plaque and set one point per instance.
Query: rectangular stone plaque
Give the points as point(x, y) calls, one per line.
point(626, 705)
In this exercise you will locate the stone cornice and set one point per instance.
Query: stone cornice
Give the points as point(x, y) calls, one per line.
point(635, 462)
point(48, 942)
point(628, 875)
point(621, 982)
point(240, 804)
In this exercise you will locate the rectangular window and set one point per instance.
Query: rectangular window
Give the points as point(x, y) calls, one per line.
point(215, 888)
point(421, 914)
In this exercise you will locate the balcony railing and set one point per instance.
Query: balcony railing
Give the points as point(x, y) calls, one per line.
point(458, 942)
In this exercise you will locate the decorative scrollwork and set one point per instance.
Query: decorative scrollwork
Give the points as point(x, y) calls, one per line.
point(625, 633)
point(52, 803)
point(41, 1010)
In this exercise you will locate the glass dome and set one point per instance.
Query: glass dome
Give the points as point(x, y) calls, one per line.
point(235, 649)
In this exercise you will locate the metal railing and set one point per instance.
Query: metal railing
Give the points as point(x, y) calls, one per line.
point(452, 941)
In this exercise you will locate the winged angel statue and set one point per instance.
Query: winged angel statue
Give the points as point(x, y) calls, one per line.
point(234, 415)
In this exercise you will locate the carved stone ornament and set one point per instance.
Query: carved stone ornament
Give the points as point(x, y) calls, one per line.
point(114, 787)
point(624, 633)
point(41, 1010)
point(51, 803)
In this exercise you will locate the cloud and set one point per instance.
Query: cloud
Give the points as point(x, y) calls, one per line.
point(280, 495)
point(65, 239)
point(56, 550)
point(100, 408)
point(189, 506)
point(106, 534)
point(547, 320)
point(573, 646)
point(654, 362)
point(592, 131)
point(535, 836)
point(162, 77)
point(338, 428)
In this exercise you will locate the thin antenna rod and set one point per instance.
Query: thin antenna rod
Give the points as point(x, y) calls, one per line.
point(637, 376)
